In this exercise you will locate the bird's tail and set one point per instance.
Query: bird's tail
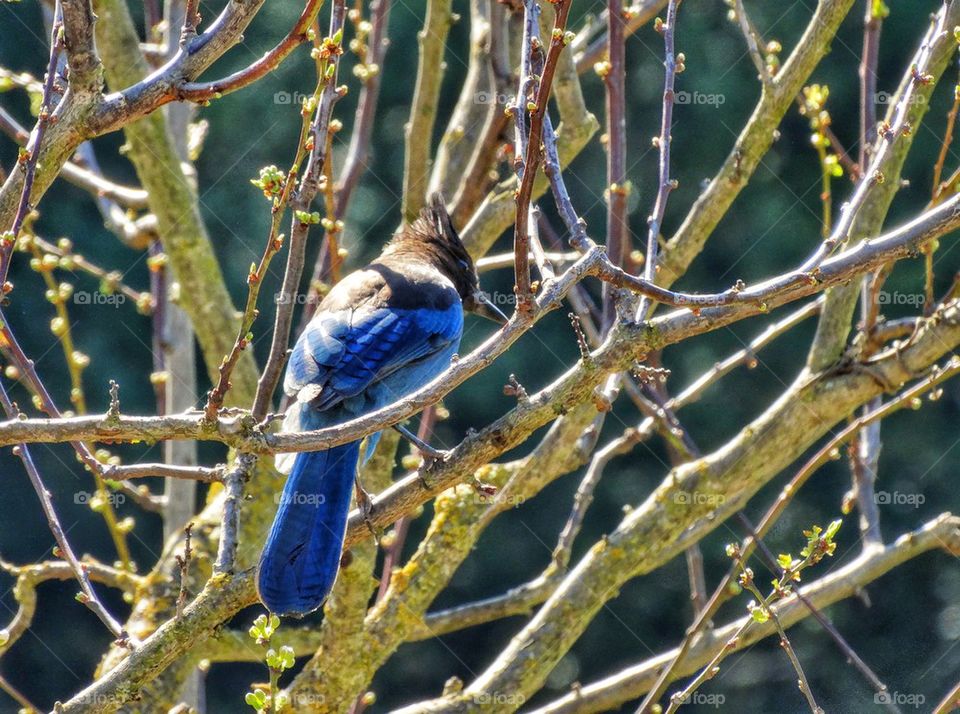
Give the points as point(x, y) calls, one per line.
point(301, 557)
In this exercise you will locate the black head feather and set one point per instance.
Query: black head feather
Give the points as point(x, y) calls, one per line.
point(432, 238)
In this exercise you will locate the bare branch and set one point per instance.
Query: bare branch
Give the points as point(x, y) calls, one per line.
point(665, 184)
point(531, 139)
point(86, 72)
point(419, 130)
point(204, 91)
point(307, 190)
point(844, 582)
point(87, 594)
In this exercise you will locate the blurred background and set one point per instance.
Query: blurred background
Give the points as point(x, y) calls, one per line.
point(907, 624)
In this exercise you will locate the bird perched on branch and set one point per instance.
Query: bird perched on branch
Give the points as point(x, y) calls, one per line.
point(380, 334)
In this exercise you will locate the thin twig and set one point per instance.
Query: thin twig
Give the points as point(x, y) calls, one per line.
point(306, 191)
point(205, 91)
point(230, 523)
point(849, 653)
point(865, 455)
point(537, 110)
point(423, 107)
point(664, 183)
point(752, 37)
point(27, 371)
point(950, 702)
point(19, 697)
point(888, 137)
point(183, 566)
point(788, 648)
point(30, 156)
point(847, 581)
point(722, 592)
point(618, 188)
point(192, 473)
point(88, 596)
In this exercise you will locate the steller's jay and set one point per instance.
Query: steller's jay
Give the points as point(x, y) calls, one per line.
point(380, 334)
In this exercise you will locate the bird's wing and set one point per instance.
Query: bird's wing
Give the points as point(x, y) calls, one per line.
point(340, 354)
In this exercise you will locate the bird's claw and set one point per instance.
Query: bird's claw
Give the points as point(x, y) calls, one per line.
point(433, 457)
point(365, 505)
point(429, 459)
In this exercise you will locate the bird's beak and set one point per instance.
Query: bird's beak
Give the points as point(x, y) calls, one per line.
point(482, 305)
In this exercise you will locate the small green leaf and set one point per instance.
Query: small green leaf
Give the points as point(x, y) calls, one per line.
point(307, 218)
point(287, 657)
point(257, 700)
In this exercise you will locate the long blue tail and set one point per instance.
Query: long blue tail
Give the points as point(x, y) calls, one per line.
point(301, 557)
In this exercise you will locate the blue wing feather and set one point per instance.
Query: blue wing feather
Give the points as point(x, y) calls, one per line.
point(345, 363)
point(339, 355)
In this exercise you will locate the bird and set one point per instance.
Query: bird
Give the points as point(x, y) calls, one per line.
point(380, 333)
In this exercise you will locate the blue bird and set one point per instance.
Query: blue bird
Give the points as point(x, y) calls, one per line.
point(380, 334)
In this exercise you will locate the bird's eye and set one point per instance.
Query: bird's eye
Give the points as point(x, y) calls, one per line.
point(464, 264)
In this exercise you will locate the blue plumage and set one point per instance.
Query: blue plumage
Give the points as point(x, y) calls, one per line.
point(380, 334)
point(302, 556)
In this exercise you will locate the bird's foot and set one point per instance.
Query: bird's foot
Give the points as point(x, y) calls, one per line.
point(365, 504)
point(428, 454)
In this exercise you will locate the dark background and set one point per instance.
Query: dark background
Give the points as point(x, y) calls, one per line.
point(908, 632)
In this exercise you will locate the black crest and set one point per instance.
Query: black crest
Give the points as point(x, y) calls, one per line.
point(432, 237)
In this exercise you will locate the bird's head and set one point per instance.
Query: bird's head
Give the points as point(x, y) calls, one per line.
point(433, 237)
